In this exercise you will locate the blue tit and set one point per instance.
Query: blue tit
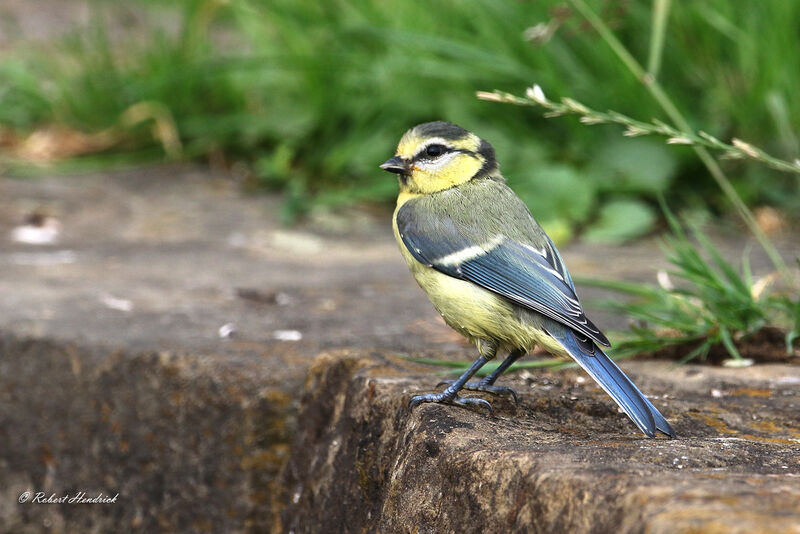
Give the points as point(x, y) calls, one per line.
point(490, 270)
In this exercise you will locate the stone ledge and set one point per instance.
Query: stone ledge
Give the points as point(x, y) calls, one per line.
point(190, 442)
point(193, 428)
point(562, 461)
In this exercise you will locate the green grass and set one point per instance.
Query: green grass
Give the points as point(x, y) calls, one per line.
point(703, 304)
point(312, 96)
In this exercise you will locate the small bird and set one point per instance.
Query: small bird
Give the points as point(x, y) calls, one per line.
point(490, 270)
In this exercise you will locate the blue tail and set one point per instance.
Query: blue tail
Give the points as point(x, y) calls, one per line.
point(613, 381)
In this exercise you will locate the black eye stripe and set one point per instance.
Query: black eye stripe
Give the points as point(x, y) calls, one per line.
point(432, 151)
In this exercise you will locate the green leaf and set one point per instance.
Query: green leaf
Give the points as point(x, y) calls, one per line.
point(727, 341)
point(621, 220)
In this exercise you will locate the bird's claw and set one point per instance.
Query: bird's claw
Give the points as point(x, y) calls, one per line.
point(444, 398)
point(488, 388)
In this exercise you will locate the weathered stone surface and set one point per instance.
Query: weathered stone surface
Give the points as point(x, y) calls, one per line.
point(161, 258)
point(189, 444)
point(114, 376)
point(563, 460)
point(113, 373)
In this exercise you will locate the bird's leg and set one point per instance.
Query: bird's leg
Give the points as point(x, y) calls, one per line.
point(487, 383)
point(487, 349)
point(510, 359)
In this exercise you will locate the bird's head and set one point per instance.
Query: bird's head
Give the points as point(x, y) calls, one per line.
point(435, 156)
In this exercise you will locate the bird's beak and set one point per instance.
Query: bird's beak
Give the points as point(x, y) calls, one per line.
point(396, 165)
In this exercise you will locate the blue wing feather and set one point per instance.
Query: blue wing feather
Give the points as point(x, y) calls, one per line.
point(533, 278)
point(527, 276)
point(611, 378)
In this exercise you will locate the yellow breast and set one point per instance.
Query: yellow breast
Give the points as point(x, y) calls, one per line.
point(469, 309)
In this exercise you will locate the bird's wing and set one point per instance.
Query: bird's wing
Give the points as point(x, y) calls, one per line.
point(485, 245)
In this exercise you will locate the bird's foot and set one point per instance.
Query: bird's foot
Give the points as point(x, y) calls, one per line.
point(486, 387)
point(450, 398)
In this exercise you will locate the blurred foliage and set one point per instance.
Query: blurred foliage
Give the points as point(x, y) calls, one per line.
point(710, 305)
point(312, 96)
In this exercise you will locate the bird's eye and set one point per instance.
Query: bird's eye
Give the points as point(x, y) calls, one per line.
point(435, 151)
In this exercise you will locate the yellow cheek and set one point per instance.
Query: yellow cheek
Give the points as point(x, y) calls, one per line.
point(459, 171)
